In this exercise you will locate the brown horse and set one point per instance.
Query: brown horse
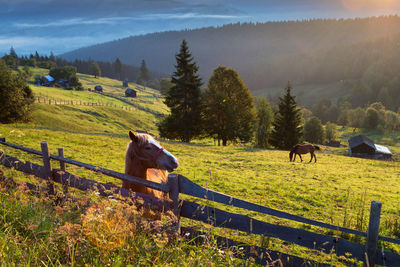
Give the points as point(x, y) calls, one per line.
point(147, 159)
point(303, 149)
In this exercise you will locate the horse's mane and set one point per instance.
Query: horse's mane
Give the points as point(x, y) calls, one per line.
point(294, 148)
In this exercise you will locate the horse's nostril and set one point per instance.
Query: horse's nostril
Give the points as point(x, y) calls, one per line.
point(175, 163)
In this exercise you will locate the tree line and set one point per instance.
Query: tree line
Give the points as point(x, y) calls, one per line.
point(308, 51)
point(225, 110)
point(115, 70)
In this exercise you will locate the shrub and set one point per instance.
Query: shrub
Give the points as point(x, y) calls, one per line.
point(313, 131)
point(15, 96)
point(330, 131)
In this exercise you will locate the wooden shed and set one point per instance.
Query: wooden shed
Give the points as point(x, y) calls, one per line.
point(130, 92)
point(362, 146)
point(98, 88)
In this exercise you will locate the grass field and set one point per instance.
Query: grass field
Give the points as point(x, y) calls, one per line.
point(337, 189)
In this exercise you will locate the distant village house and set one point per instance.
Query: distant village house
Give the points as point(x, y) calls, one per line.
point(130, 92)
point(46, 80)
point(98, 88)
point(363, 147)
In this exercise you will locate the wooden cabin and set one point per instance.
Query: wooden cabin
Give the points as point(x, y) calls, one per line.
point(130, 92)
point(363, 147)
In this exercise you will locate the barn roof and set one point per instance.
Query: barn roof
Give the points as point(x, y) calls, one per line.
point(129, 90)
point(49, 78)
point(360, 139)
point(382, 150)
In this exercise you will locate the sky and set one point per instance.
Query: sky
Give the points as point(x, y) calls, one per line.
point(59, 26)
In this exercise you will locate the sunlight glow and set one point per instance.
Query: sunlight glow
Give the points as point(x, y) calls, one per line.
point(354, 5)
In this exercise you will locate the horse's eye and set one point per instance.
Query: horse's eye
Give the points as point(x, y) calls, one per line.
point(147, 148)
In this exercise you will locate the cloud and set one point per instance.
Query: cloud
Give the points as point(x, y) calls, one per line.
point(115, 20)
point(73, 22)
point(191, 16)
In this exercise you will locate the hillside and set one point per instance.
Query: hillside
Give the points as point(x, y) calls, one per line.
point(337, 190)
point(116, 115)
point(265, 54)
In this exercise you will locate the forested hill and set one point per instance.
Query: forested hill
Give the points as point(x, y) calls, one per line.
point(265, 54)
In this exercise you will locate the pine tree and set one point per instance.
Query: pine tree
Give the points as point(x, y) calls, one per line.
point(287, 130)
point(144, 75)
point(184, 100)
point(52, 57)
point(229, 112)
point(118, 68)
point(94, 69)
point(13, 53)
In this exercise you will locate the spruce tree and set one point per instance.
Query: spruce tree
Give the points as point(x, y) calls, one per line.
point(94, 69)
point(184, 99)
point(144, 75)
point(287, 130)
point(118, 68)
point(13, 53)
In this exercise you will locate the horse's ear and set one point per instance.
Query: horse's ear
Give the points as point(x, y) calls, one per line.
point(133, 137)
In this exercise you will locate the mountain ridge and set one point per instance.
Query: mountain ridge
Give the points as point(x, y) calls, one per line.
point(244, 46)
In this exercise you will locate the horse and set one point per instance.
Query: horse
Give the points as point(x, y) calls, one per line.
point(303, 149)
point(145, 158)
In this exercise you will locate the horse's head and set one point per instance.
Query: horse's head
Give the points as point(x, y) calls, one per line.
point(151, 154)
point(291, 155)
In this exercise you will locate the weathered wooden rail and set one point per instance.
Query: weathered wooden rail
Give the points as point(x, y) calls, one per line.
point(65, 102)
point(368, 253)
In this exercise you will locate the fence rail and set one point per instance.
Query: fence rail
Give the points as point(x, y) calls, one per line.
point(53, 101)
point(217, 217)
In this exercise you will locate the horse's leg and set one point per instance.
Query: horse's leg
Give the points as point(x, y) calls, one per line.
point(315, 158)
point(300, 157)
point(312, 155)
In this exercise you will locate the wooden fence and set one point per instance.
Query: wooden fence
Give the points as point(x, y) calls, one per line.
point(368, 253)
point(130, 104)
point(54, 101)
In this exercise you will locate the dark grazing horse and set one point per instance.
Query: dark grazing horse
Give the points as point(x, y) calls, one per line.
point(303, 149)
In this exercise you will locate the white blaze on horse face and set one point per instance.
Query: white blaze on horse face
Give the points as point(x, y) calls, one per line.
point(166, 152)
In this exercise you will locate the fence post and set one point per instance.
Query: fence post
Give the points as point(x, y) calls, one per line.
point(47, 166)
point(373, 232)
point(62, 167)
point(173, 182)
point(61, 154)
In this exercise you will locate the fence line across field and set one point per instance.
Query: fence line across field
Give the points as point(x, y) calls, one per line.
point(50, 101)
point(180, 184)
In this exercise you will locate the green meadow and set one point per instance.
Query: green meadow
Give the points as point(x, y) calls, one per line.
point(337, 189)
